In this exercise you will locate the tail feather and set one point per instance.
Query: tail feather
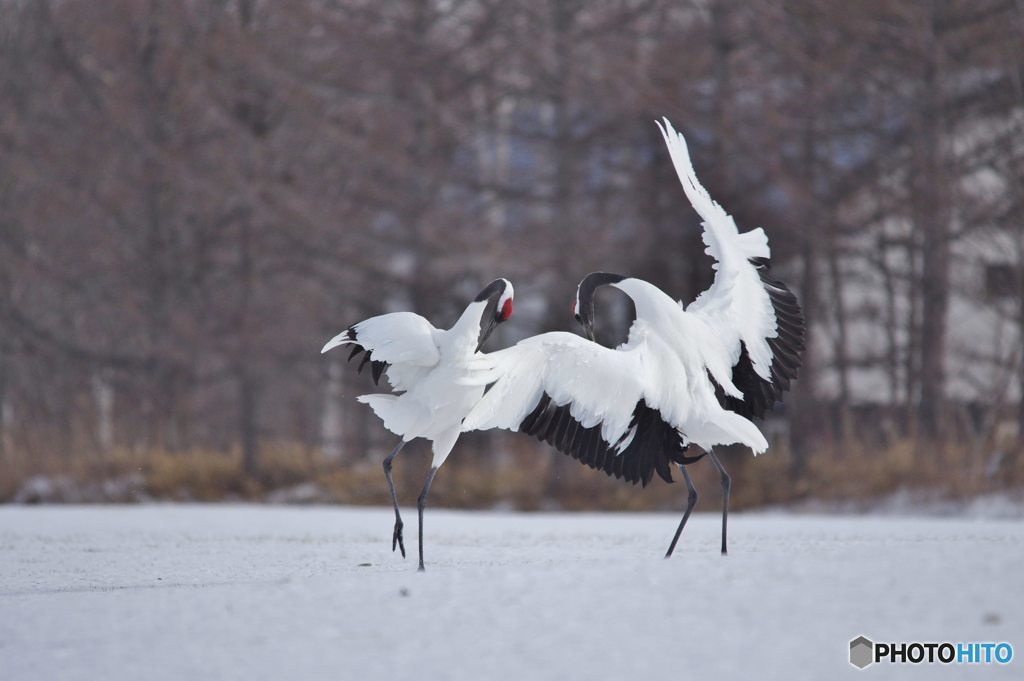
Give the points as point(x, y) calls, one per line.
point(443, 444)
point(746, 432)
point(725, 427)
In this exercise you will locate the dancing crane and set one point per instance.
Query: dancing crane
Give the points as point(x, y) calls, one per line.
point(434, 371)
point(692, 375)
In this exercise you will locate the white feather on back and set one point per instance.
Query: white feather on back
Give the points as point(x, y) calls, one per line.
point(405, 376)
point(437, 371)
point(398, 415)
point(602, 385)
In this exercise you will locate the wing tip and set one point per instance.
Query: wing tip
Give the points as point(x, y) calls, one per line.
point(341, 339)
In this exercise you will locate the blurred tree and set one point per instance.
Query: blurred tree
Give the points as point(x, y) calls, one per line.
point(194, 196)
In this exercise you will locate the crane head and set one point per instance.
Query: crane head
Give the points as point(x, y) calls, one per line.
point(502, 289)
point(583, 306)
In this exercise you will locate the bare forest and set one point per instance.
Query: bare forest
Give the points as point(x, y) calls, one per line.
point(195, 196)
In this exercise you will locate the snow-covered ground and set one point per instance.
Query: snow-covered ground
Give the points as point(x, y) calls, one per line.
point(249, 592)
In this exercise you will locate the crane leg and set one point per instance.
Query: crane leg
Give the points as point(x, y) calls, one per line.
point(691, 501)
point(396, 538)
point(421, 504)
point(726, 488)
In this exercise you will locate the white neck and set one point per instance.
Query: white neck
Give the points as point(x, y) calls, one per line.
point(651, 302)
point(467, 328)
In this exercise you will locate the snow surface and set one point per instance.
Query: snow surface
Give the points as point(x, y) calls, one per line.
point(251, 592)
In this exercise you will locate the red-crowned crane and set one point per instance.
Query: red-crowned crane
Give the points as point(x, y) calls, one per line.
point(692, 375)
point(434, 370)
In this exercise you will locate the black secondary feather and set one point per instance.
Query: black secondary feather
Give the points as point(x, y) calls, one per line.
point(760, 395)
point(377, 367)
point(655, 444)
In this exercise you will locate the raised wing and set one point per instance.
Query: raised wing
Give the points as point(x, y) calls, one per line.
point(403, 344)
point(585, 400)
point(786, 345)
point(755, 316)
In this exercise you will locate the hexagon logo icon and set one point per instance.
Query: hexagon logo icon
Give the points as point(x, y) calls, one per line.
point(862, 652)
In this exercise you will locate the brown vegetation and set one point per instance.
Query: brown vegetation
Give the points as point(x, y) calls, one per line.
point(290, 474)
point(194, 196)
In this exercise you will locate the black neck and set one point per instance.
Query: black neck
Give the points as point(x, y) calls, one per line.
point(589, 286)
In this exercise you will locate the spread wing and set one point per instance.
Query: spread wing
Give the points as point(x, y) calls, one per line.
point(403, 344)
point(587, 401)
point(755, 316)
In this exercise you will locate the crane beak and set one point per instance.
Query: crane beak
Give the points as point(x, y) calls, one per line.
point(588, 327)
point(486, 333)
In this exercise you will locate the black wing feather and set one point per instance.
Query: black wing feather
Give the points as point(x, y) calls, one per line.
point(654, 447)
point(377, 367)
point(760, 395)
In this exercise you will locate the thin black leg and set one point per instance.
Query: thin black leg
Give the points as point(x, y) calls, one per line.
point(691, 501)
point(396, 538)
point(421, 504)
point(726, 488)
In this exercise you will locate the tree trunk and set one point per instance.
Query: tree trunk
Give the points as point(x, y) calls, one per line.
point(892, 353)
point(103, 396)
point(840, 347)
point(804, 421)
point(5, 449)
point(933, 222)
point(247, 384)
point(247, 427)
point(1020, 334)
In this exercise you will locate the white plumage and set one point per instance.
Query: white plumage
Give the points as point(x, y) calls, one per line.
point(438, 373)
point(736, 306)
point(602, 387)
point(436, 370)
point(685, 375)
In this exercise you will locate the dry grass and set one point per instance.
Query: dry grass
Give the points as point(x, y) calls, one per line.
point(521, 477)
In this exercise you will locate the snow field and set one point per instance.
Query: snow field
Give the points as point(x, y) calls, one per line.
point(258, 592)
